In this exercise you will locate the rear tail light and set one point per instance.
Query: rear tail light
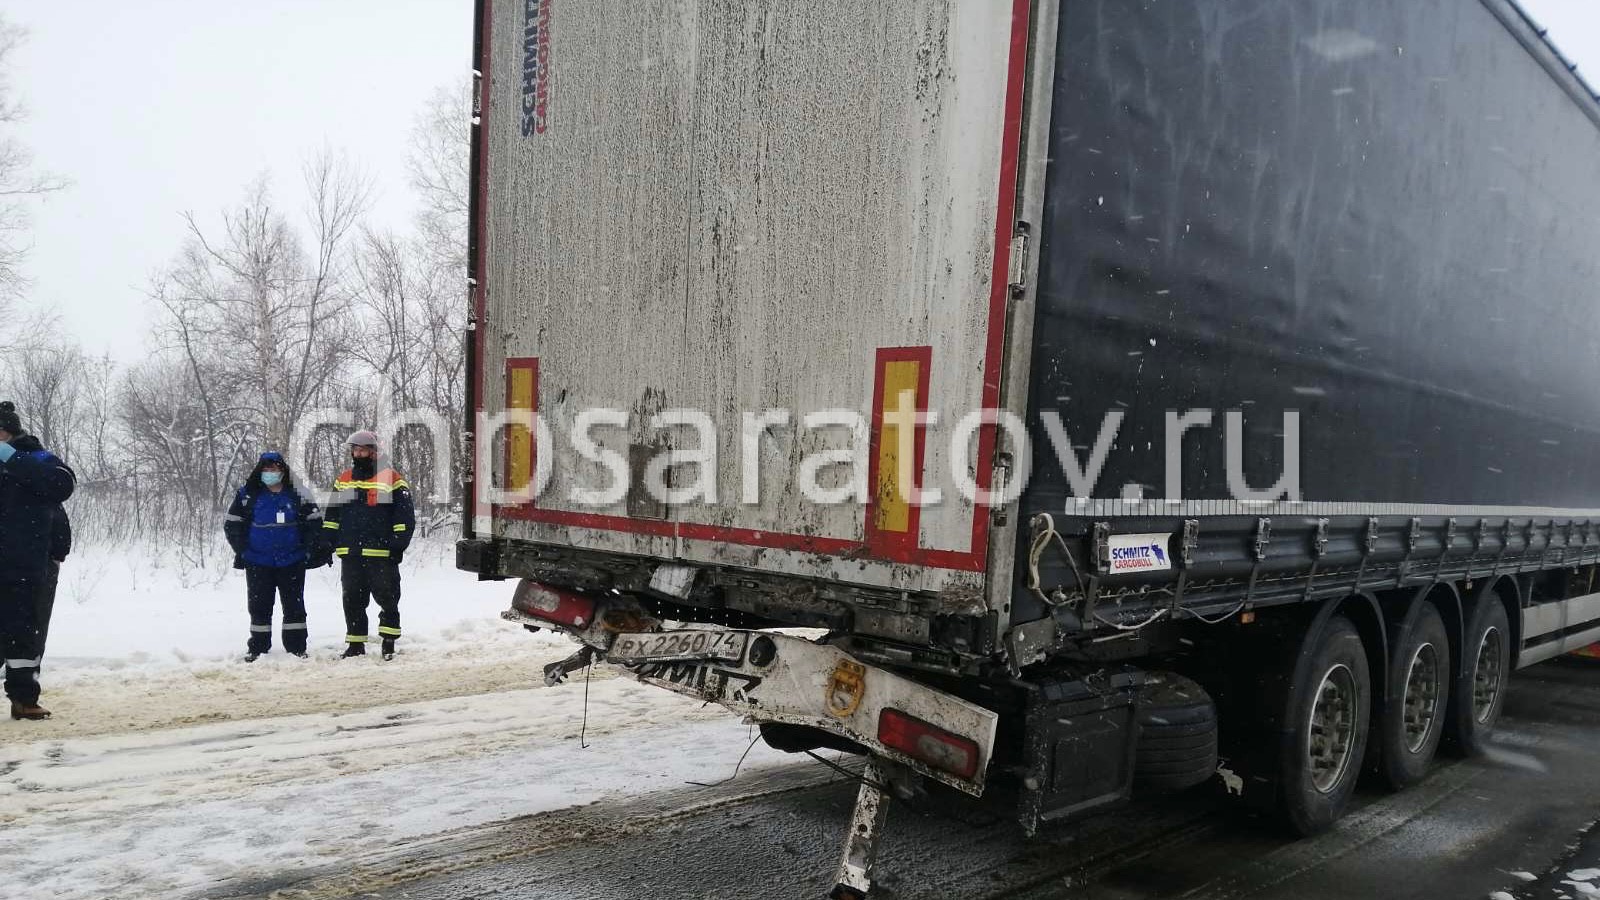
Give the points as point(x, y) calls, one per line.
point(928, 743)
point(553, 604)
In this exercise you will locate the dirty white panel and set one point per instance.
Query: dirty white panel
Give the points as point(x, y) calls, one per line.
point(734, 204)
point(586, 221)
point(847, 165)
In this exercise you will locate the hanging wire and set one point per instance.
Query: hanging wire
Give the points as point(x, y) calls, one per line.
point(1045, 529)
point(852, 776)
point(736, 767)
point(1120, 627)
point(1222, 618)
point(584, 728)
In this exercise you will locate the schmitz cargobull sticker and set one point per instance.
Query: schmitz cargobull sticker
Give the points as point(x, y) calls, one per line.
point(1139, 553)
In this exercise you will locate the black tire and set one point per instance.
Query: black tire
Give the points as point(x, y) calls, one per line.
point(1316, 780)
point(1421, 673)
point(1480, 688)
point(1177, 745)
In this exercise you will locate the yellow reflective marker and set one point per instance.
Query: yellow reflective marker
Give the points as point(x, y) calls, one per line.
point(897, 437)
point(519, 438)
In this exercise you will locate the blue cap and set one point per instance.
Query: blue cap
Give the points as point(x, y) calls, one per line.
point(274, 457)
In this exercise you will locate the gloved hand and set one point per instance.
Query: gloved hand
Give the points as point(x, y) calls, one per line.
point(238, 561)
point(319, 558)
point(6, 450)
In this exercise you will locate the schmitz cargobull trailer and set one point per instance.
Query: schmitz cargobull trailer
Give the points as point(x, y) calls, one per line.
point(1102, 378)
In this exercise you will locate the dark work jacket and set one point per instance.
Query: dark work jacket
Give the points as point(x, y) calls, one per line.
point(33, 484)
point(371, 518)
point(60, 534)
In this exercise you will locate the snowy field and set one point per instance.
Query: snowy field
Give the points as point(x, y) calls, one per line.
point(172, 768)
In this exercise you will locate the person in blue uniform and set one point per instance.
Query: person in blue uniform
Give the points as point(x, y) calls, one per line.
point(276, 534)
point(33, 484)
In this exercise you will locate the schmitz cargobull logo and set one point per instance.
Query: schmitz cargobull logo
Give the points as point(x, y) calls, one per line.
point(535, 65)
point(1138, 552)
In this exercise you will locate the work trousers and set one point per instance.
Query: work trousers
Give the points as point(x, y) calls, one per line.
point(45, 605)
point(365, 579)
point(19, 639)
point(266, 585)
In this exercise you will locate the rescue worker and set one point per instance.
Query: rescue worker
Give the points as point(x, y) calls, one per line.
point(370, 518)
point(33, 483)
point(276, 535)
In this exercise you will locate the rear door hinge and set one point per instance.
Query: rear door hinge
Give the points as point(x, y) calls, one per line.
point(999, 486)
point(1019, 260)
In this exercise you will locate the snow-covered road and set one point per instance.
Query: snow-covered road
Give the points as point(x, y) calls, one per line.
point(173, 811)
point(172, 767)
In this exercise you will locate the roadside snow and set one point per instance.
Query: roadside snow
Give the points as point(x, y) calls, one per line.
point(153, 646)
point(167, 812)
point(121, 610)
point(171, 765)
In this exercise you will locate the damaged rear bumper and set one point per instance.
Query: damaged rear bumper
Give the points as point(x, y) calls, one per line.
point(779, 678)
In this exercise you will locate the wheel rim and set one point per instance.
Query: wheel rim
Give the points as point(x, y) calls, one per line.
point(1421, 702)
point(1486, 675)
point(1331, 735)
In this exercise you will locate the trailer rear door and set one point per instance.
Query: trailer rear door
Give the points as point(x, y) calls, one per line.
point(733, 207)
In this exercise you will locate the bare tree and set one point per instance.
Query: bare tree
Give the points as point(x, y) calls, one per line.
point(46, 383)
point(168, 481)
point(410, 310)
point(439, 166)
point(203, 382)
point(97, 448)
point(264, 314)
point(261, 318)
point(440, 173)
point(388, 301)
point(19, 183)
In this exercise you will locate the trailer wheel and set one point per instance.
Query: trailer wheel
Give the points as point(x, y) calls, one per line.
point(1480, 688)
point(1320, 756)
point(1418, 694)
point(1177, 744)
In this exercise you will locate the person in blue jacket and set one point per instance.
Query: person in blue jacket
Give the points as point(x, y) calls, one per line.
point(276, 535)
point(33, 483)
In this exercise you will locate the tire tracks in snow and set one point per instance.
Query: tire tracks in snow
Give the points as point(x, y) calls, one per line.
point(605, 822)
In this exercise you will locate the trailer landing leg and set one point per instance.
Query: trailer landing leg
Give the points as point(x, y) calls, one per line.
point(854, 879)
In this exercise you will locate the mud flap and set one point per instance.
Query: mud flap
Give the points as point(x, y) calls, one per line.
point(1079, 747)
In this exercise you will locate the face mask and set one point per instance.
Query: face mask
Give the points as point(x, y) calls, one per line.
point(271, 478)
point(364, 468)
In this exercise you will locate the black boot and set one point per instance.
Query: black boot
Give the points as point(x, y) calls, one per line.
point(388, 648)
point(354, 650)
point(252, 656)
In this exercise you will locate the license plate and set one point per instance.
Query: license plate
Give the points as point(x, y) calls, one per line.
point(727, 646)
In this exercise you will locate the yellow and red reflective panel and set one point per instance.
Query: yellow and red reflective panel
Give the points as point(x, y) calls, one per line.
point(894, 468)
point(522, 393)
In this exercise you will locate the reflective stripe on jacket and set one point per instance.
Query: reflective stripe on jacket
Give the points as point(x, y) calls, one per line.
point(371, 518)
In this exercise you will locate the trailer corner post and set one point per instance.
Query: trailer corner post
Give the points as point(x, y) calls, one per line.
point(854, 878)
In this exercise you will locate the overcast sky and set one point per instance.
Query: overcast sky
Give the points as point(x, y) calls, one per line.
point(160, 106)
